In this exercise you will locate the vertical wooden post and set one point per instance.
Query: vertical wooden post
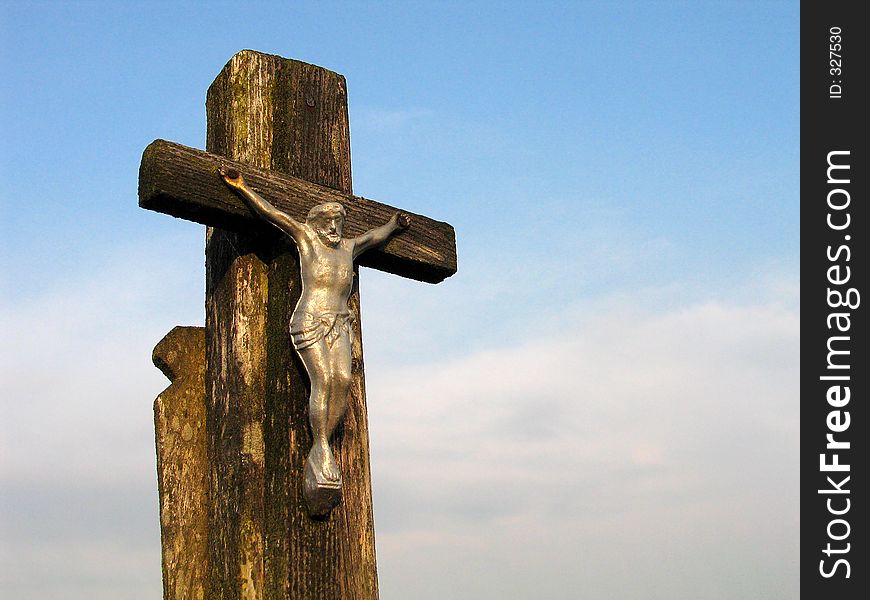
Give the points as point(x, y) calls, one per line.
point(182, 467)
point(290, 117)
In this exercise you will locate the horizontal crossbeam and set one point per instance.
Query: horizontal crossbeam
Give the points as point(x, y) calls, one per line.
point(185, 183)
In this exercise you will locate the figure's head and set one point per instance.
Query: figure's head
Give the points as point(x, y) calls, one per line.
point(327, 220)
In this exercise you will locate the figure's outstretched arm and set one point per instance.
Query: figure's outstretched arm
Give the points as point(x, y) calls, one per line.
point(379, 235)
point(262, 207)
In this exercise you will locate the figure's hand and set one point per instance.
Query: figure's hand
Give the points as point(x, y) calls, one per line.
point(232, 177)
point(403, 221)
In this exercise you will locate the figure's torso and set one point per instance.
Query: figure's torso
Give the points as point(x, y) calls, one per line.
point(327, 277)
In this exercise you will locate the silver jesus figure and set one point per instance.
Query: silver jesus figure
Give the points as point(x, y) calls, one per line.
point(321, 326)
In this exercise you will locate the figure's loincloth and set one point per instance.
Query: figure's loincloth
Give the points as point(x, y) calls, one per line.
point(307, 329)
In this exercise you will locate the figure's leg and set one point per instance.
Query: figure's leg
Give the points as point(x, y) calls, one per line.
point(316, 359)
point(340, 380)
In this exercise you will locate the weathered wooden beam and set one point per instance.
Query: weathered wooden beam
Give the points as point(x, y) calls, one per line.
point(184, 182)
point(182, 465)
point(290, 117)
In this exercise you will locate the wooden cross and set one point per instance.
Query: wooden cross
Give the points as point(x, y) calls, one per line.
point(232, 437)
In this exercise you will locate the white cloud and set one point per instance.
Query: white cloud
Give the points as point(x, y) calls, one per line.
point(381, 119)
point(78, 493)
point(81, 569)
point(652, 442)
point(646, 447)
point(76, 372)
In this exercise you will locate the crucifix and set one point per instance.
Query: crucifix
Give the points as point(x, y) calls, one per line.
point(258, 500)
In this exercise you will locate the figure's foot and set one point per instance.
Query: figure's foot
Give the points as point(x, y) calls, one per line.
point(322, 489)
point(330, 468)
point(323, 463)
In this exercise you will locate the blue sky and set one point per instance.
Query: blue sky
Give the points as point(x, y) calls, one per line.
point(621, 176)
